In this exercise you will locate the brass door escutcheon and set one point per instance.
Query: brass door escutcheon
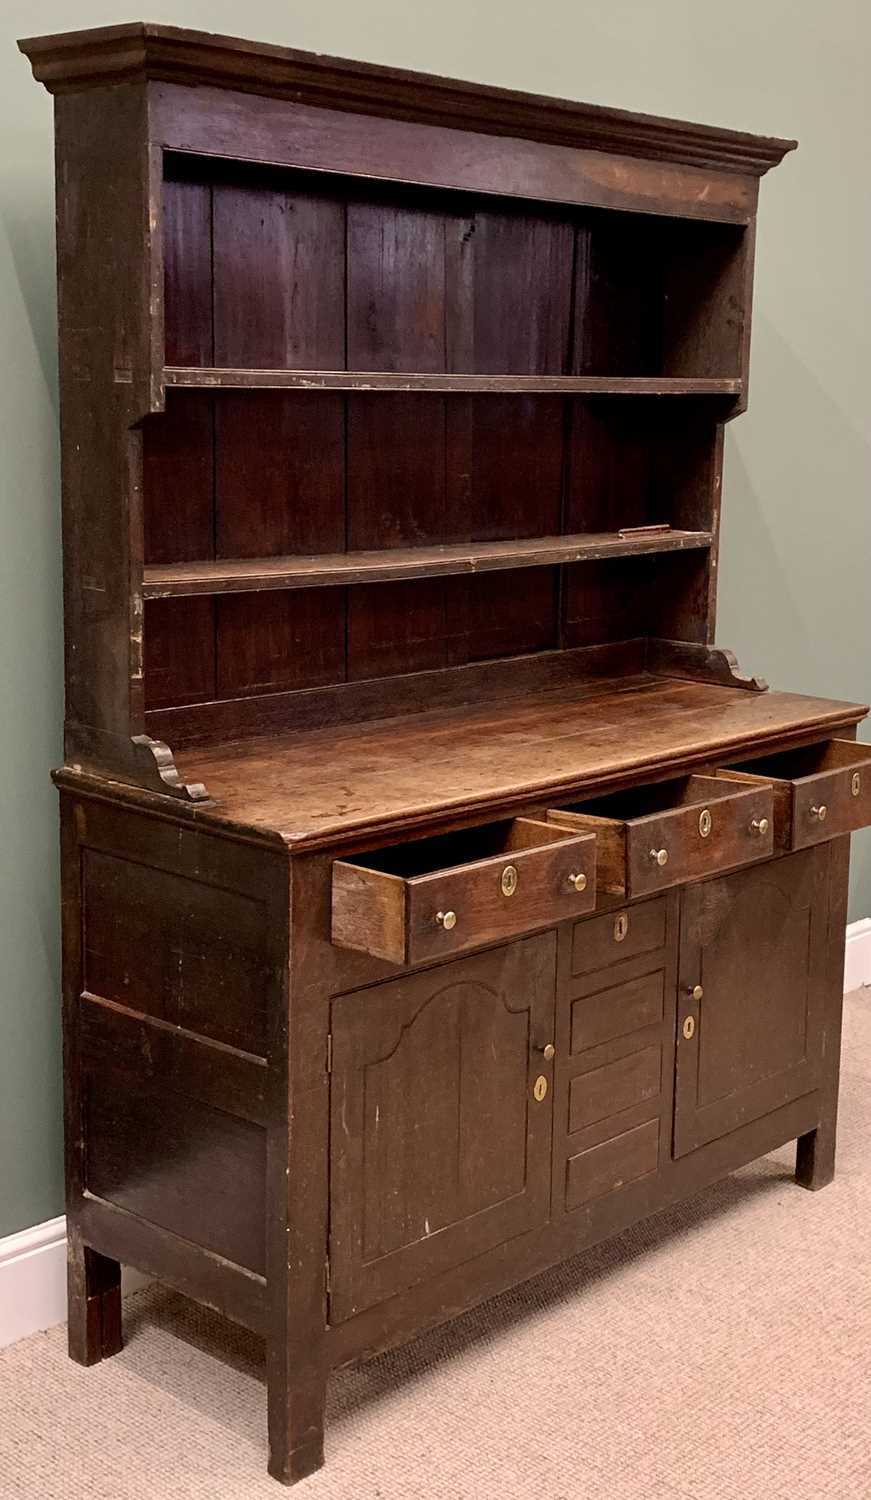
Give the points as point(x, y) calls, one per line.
point(539, 1088)
point(855, 783)
point(509, 880)
point(621, 927)
point(706, 822)
point(689, 1028)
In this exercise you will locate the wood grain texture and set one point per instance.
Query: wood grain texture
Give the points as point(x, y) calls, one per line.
point(235, 575)
point(756, 1041)
point(521, 750)
point(652, 837)
point(832, 779)
point(143, 49)
point(280, 379)
point(388, 904)
point(417, 1181)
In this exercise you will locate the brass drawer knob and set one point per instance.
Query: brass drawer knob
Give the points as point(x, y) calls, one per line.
point(549, 1052)
point(447, 920)
point(697, 992)
point(579, 881)
point(759, 826)
point(820, 812)
point(659, 857)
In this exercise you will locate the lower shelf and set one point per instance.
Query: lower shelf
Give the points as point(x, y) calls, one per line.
point(245, 575)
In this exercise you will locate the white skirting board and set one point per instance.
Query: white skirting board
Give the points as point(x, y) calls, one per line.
point(33, 1263)
point(857, 958)
point(33, 1280)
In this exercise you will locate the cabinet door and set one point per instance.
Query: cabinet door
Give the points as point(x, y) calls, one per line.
point(440, 1147)
point(756, 944)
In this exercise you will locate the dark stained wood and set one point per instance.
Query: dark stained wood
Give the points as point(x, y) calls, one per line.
point(143, 49)
point(756, 944)
point(196, 1171)
point(371, 514)
point(609, 1088)
point(612, 1164)
point(497, 881)
point(649, 838)
point(494, 384)
point(819, 793)
point(535, 748)
point(618, 936)
point(278, 277)
point(196, 1272)
point(279, 482)
point(419, 1180)
point(234, 575)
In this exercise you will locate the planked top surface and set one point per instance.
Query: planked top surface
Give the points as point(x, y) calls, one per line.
point(332, 785)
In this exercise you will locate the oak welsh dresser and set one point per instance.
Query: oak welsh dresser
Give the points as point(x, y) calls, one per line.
point(438, 898)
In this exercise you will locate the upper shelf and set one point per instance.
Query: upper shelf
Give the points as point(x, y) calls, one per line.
point(244, 575)
point(400, 380)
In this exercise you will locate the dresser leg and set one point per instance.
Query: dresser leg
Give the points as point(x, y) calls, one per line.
point(296, 1425)
point(815, 1157)
point(94, 1301)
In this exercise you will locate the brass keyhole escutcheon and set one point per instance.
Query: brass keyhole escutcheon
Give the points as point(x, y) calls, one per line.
point(621, 927)
point(855, 783)
point(689, 1028)
point(706, 822)
point(509, 880)
point(539, 1088)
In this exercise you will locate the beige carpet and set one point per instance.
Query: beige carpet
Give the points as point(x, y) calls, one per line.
point(720, 1350)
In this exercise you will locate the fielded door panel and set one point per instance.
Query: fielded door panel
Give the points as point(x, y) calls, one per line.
point(440, 1138)
point(755, 943)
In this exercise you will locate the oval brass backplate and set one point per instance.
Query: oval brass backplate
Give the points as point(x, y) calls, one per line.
point(539, 1088)
point(689, 1028)
point(706, 822)
point(856, 784)
point(509, 880)
point(621, 927)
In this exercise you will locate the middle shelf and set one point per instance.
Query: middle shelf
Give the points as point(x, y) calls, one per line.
point(245, 575)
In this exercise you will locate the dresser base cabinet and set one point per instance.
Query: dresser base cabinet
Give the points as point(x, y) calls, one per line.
point(338, 1158)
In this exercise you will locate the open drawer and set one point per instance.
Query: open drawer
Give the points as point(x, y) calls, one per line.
point(650, 837)
point(432, 897)
point(820, 791)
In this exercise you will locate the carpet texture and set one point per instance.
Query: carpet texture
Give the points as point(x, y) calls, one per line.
point(720, 1350)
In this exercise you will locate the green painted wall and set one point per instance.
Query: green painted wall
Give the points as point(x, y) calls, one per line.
point(797, 528)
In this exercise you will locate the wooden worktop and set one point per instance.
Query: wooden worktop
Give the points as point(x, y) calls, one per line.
point(326, 786)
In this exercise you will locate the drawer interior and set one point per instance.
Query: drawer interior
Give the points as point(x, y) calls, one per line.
point(809, 760)
point(449, 851)
point(647, 801)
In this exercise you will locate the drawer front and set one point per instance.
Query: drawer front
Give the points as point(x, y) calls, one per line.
point(497, 898)
point(614, 1086)
point(617, 1011)
point(812, 805)
point(688, 843)
point(831, 803)
point(612, 1164)
point(609, 939)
